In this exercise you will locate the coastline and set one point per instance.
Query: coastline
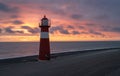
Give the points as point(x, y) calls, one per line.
point(98, 62)
point(54, 55)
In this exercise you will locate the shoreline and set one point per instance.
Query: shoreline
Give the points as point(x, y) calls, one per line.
point(55, 55)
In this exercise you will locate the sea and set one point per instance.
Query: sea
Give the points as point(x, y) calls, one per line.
point(21, 49)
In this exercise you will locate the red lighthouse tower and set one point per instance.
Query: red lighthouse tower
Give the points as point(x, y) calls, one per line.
point(44, 50)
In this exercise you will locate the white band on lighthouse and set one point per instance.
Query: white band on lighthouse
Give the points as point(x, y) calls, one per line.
point(44, 35)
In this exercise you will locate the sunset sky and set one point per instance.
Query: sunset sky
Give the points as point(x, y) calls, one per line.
point(72, 20)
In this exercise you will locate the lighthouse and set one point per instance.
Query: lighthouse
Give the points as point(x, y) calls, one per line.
point(44, 49)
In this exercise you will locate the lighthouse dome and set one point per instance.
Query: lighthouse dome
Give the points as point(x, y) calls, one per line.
point(44, 18)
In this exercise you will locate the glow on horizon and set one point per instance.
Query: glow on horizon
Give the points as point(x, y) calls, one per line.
point(52, 38)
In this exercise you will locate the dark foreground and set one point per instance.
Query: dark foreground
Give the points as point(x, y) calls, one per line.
point(103, 62)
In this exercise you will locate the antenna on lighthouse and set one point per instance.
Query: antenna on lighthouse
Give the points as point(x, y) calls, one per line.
point(44, 16)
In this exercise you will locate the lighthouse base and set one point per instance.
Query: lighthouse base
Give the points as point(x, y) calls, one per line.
point(44, 52)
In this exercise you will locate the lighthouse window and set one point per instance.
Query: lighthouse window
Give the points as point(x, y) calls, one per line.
point(45, 22)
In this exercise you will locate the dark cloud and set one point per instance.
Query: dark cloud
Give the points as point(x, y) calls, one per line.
point(84, 32)
point(26, 27)
point(116, 29)
point(96, 33)
point(76, 16)
point(60, 29)
point(31, 30)
point(0, 30)
point(111, 29)
point(90, 24)
point(81, 27)
point(14, 16)
point(8, 21)
point(9, 30)
point(75, 32)
point(19, 32)
point(35, 30)
point(55, 28)
point(6, 8)
point(102, 17)
point(17, 22)
point(89, 32)
point(63, 31)
point(70, 27)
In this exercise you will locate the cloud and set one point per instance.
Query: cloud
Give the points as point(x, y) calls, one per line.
point(0, 30)
point(90, 24)
point(14, 16)
point(116, 29)
point(96, 33)
point(35, 30)
point(81, 27)
point(26, 27)
point(76, 16)
point(111, 29)
point(17, 22)
point(31, 30)
point(19, 32)
point(60, 29)
point(63, 31)
point(75, 32)
point(6, 8)
point(78, 26)
point(58, 11)
point(102, 17)
point(55, 9)
point(55, 28)
point(70, 27)
point(9, 30)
